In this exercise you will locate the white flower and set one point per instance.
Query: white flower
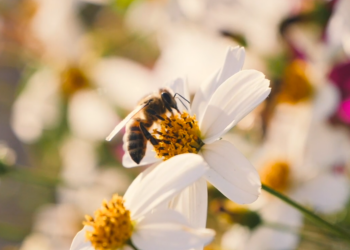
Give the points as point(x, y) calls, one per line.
point(57, 27)
point(90, 115)
point(149, 225)
point(200, 45)
point(221, 102)
point(263, 237)
point(233, 16)
point(37, 107)
point(285, 165)
point(118, 77)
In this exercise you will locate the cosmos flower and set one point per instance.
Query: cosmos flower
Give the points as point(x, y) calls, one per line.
point(284, 166)
point(219, 104)
point(215, 17)
point(63, 76)
point(140, 216)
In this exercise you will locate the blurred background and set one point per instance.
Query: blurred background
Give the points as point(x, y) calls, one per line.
point(70, 70)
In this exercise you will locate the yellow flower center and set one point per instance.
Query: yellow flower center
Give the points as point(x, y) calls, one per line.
point(112, 225)
point(276, 175)
point(73, 79)
point(178, 134)
point(296, 85)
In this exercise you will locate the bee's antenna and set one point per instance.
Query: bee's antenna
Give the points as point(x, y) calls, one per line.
point(181, 97)
point(183, 104)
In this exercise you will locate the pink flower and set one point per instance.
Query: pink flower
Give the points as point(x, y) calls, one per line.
point(340, 77)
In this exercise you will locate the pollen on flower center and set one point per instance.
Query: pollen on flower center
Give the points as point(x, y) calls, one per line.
point(296, 84)
point(112, 225)
point(178, 134)
point(276, 175)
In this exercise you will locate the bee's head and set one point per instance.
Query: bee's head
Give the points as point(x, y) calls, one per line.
point(169, 100)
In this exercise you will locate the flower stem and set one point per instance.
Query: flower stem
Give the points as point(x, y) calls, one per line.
point(310, 215)
point(131, 245)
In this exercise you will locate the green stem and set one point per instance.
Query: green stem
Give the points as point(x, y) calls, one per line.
point(310, 215)
point(131, 244)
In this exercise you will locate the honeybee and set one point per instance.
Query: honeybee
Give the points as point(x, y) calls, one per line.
point(140, 120)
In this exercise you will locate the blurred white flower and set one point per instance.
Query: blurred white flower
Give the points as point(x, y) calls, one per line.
point(232, 16)
point(235, 238)
point(261, 32)
point(282, 165)
point(69, 58)
point(147, 17)
point(53, 228)
point(90, 116)
point(123, 81)
point(140, 217)
point(263, 237)
point(58, 223)
point(37, 107)
point(191, 52)
point(338, 29)
point(56, 26)
point(86, 183)
point(327, 146)
point(36, 241)
point(104, 183)
point(79, 162)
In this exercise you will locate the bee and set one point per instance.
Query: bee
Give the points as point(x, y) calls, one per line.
point(140, 120)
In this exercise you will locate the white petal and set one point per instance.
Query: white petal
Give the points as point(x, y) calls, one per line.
point(149, 158)
point(264, 238)
point(326, 193)
point(80, 242)
point(325, 102)
point(180, 86)
point(168, 229)
point(327, 145)
point(164, 182)
point(277, 211)
point(235, 238)
point(231, 172)
point(133, 189)
point(90, 116)
point(233, 63)
point(235, 98)
point(122, 81)
point(192, 202)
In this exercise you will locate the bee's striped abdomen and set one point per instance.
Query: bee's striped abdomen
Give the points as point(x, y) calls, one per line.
point(136, 141)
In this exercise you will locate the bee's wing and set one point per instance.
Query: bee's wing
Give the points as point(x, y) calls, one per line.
point(124, 122)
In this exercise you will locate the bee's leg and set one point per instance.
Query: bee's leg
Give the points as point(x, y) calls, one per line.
point(148, 135)
point(152, 112)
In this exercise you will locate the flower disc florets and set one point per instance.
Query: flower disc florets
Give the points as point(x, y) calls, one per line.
point(178, 134)
point(112, 225)
point(276, 175)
